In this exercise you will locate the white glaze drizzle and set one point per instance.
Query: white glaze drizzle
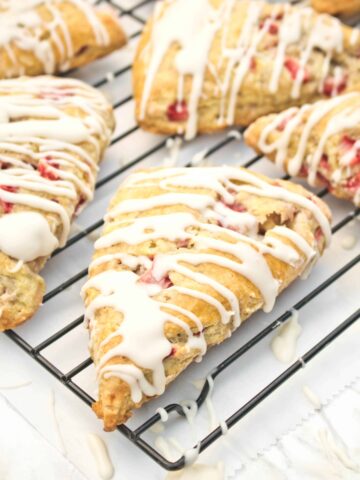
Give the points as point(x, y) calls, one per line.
point(101, 455)
point(48, 143)
point(312, 397)
point(283, 344)
point(298, 25)
point(38, 241)
point(347, 116)
point(127, 293)
point(22, 26)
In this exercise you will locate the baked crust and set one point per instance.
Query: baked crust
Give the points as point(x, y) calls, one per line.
point(232, 85)
point(319, 142)
point(56, 36)
point(146, 228)
point(347, 7)
point(53, 135)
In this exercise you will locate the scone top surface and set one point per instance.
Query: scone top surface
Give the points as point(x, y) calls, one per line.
point(320, 142)
point(52, 136)
point(204, 65)
point(48, 36)
point(185, 256)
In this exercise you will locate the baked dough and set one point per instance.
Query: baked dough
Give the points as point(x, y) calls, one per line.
point(53, 134)
point(185, 256)
point(48, 36)
point(205, 65)
point(347, 7)
point(320, 142)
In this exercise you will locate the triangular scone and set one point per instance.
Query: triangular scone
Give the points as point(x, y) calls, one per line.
point(185, 256)
point(48, 36)
point(347, 7)
point(319, 141)
point(52, 136)
point(205, 65)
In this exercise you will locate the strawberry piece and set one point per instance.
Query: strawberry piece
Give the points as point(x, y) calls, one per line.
point(293, 66)
point(172, 352)
point(332, 88)
point(347, 142)
point(237, 207)
point(324, 162)
point(149, 278)
point(45, 171)
point(356, 160)
point(273, 29)
point(282, 125)
point(56, 96)
point(319, 235)
point(7, 206)
point(304, 171)
point(354, 182)
point(182, 243)
point(178, 112)
point(253, 64)
point(79, 205)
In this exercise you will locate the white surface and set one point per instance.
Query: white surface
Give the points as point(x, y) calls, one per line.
point(29, 443)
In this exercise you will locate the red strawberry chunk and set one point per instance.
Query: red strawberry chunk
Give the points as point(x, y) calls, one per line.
point(178, 112)
point(294, 68)
point(7, 206)
point(46, 172)
point(182, 243)
point(324, 162)
point(356, 159)
point(282, 125)
point(172, 352)
point(253, 64)
point(304, 171)
point(334, 88)
point(319, 235)
point(272, 28)
point(347, 142)
point(237, 207)
point(354, 182)
point(149, 278)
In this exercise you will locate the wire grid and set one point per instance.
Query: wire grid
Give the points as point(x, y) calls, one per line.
point(134, 14)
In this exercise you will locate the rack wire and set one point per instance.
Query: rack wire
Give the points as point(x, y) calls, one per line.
point(134, 12)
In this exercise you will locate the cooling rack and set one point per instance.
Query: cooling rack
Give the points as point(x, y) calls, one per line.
point(130, 148)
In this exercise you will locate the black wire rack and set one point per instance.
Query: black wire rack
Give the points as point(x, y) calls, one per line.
point(68, 378)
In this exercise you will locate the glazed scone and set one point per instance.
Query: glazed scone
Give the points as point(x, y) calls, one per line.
point(49, 36)
point(205, 65)
point(186, 255)
point(53, 134)
point(347, 7)
point(320, 142)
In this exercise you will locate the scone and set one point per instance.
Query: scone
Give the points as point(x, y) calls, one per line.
point(320, 142)
point(52, 136)
point(347, 7)
point(205, 65)
point(186, 255)
point(48, 36)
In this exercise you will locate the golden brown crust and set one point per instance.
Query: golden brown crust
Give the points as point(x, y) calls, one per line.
point(342, 179)
point(21, 288)
point(254, 98)
point(334, 8)
point(21, 293)
point(115, 402)
point(75, 33)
